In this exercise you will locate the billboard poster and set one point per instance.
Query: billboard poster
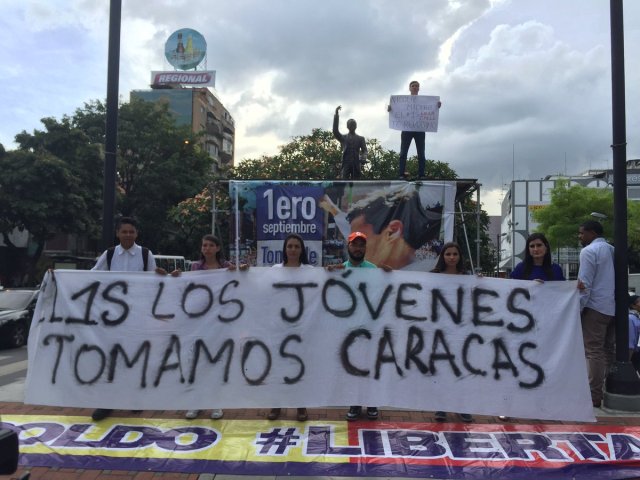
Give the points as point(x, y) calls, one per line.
point(406, 223)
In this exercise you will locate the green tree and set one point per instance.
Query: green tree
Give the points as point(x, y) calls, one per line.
point(318, 157)
point(30, 200)
point(192, 219)
point(42, 194)
point(65, 141)
point(570, 206)
point(159, 164)
point(573, 204)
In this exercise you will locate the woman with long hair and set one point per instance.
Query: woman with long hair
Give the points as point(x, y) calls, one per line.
point(537, 263)
point(210, 259)
point(450, 261)
point(210, 255)
point(294, 255)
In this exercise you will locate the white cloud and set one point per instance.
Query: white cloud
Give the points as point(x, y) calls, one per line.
point(531, 73)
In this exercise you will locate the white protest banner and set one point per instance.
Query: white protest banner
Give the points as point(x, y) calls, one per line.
point(307, 337)
point(414, 113)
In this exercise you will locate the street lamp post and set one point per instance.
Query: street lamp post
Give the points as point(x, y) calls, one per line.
point(111, 136)
point(622, 387)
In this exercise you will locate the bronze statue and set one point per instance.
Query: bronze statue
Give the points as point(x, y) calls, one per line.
point(354, 148)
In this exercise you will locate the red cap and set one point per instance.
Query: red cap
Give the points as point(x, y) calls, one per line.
point(355, 235)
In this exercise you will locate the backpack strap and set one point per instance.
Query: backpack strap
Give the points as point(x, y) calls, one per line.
point(145, 258)
point(110, 252)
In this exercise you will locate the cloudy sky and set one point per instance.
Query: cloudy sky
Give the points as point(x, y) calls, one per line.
point(525, 84)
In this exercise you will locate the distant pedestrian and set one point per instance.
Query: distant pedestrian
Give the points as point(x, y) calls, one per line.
point(634, 331)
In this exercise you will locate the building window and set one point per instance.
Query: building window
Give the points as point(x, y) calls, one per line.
point(212, 149)
point(227, 146)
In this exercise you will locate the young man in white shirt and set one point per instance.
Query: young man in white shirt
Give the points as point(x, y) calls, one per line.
point(127, 256)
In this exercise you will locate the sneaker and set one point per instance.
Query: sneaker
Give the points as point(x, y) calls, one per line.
point(101, 413)
point(191, 414)
point(466, 417)
point(216, 414)
point(372, 413)
point(302, 415)
point(274, 414)
point(440, 416)
point(354, 413)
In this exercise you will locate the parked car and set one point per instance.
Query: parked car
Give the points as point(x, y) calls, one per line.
point(16, 312)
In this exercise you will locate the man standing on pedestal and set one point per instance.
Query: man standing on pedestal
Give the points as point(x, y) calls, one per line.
point(405, 141)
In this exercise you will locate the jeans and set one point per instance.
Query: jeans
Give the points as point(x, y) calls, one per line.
point(405, 143)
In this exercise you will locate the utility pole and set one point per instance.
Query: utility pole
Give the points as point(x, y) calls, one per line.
point(622, 386)
point(111, 138)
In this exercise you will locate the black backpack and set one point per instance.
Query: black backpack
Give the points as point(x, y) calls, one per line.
point(145, 257)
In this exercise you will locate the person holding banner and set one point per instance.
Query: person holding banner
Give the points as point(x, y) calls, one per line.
point(354, 148)
point(357, 249)
point(451, 262)
point(596, 282)
point(537, 263)
point(294, 255)
point(210, 259)
point(127, 256)
point(405, 141)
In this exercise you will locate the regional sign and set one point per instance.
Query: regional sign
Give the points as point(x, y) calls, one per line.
point(202, 78)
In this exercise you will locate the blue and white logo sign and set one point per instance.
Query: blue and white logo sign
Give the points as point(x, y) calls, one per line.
point(185, 49)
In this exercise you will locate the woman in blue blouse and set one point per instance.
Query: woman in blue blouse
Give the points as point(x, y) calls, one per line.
point(537, 261)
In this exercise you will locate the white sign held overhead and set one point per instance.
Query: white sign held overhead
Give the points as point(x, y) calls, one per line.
point(414, 113)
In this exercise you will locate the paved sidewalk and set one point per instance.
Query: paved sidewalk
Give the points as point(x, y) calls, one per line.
point(45, 473)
